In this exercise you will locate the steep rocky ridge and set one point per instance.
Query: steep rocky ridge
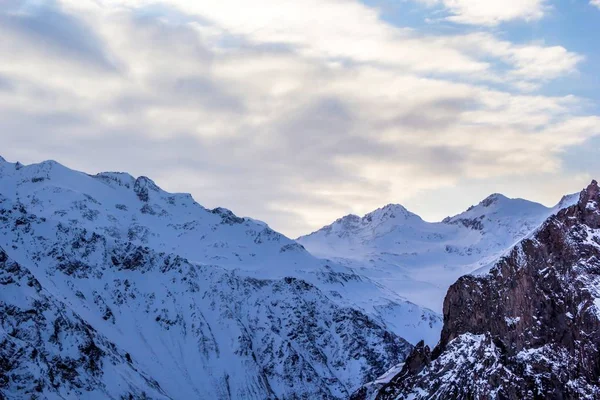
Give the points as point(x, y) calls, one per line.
point(530, 329)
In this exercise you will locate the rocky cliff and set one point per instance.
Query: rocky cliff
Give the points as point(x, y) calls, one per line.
point(530, 329)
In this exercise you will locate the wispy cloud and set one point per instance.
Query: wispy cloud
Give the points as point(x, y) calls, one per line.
point(490, 13)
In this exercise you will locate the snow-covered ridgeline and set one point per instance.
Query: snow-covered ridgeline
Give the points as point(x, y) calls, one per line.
point(202, 303)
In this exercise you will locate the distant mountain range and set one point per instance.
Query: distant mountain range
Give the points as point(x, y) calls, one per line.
point(420, 259)
point(111, 287)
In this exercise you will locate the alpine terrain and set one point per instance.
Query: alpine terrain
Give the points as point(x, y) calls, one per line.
point(529, 329)
point(420, 259)
point(112, 288)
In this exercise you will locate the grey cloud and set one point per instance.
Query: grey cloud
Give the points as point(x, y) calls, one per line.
point(436, 115)
point(50, 29)
point(421, 121)
point(324, 128)
point(184, 92)
point(180, 40)
point(321, 123)
point(6, 84)
point(205, 92)
point(328, 128)
point(61, 119)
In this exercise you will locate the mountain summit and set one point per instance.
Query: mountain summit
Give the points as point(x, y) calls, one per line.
point(111, 287)
point(420, 260)
point(527, 330)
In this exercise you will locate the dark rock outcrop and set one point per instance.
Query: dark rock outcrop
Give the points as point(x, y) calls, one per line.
point(142, 187)
point(530, 329)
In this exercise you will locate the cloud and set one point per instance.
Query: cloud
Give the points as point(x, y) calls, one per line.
point(47, 28)
point(5, 84)
point(527, 62)
point(281, 111)
point(595, 3)
point(489, 13)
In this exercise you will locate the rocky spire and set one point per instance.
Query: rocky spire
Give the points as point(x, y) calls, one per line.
point(589, 204)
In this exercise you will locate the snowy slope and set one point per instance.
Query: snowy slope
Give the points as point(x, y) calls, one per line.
point(205, 303)
point(418, 259)
point(48, 351)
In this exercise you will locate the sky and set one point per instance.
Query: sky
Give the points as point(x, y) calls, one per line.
point(300, 112)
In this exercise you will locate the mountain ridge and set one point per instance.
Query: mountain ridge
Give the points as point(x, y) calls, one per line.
point(207, 304)
point(203, 291)
point(528, 329)
point(486, 202)
point(419, 259)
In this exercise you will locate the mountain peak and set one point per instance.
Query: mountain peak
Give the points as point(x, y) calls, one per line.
point(394, 207)
point(590, 193)
point(390, 211)
point(536, 312)
point(119, 178)
point(567, 201)
point(497, 207)
point(352, 224)
point(49, 163)
point(493, 199)
point(227, 215)
point(350, 219)
point(141, 187)
point(145, 181)
point(589, 203)
point(2, 159)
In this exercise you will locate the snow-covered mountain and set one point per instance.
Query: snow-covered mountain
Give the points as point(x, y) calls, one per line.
point(528, 329)
point(49, 351)
point(420, 260)
point(114, 288)
point(111, 287)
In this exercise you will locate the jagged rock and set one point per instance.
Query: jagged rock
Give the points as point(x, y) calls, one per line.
point(227, 216)
point(142, 187)
point(530, 329)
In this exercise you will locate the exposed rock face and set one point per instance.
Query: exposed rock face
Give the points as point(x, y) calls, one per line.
point(530, 329)
point(142, 188)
